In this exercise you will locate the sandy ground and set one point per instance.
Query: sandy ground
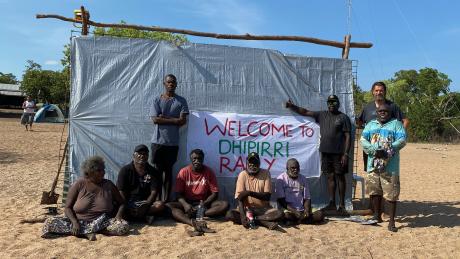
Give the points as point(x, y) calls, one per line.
point(428, 215)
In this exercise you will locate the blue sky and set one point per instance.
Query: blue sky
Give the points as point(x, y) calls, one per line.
point(406, 34)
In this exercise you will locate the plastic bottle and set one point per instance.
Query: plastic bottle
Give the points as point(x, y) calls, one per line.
point(200, 211)
point(250, 217)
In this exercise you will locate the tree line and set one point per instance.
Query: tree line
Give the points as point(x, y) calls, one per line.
point(423, 95)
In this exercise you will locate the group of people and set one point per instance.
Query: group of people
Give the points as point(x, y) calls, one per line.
point(142, 191)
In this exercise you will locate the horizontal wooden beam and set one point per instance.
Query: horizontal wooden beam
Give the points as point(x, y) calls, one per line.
point(214, 35)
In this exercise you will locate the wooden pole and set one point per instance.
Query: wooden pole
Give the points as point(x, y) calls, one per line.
point(84, 18)
point(336, 44)
point(346, 49)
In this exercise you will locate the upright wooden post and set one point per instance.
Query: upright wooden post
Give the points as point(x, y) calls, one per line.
point(84, 22)
point(346, 48)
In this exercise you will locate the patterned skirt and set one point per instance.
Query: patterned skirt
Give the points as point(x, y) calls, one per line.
point(63, 226)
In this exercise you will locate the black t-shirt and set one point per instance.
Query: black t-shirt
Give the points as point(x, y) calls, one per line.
point(332, 128)
point(137, 187)
point(369, 112)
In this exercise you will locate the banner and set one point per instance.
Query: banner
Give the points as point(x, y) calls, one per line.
point(227, 139)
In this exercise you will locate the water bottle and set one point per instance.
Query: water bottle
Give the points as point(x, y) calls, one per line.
point(250, 217)
point(200, 211)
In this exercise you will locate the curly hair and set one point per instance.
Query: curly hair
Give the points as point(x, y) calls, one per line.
point(92, 165)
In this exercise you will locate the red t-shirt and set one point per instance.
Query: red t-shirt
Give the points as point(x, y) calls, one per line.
point(196, 186)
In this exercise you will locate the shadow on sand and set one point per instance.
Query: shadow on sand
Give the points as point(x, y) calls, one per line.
point(7, 157)
point(419, 214)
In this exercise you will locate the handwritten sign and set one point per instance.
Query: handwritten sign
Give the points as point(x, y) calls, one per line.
point(228, 138)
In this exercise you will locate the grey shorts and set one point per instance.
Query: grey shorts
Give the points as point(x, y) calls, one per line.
point(27, 118)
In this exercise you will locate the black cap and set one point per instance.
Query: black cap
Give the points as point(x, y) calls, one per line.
point(141, 148)
point(254, 157)
point(332, 97)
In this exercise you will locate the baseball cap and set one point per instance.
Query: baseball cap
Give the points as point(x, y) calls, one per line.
point(253, 156)
point(332, 97)
point(141, 148)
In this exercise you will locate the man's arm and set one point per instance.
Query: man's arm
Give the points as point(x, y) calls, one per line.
point(265, 196)
point(163, 120)
point(405, 122)
point(344, 159)
point(210, 199)
point(181, 198)
point(400, 137)
point(282, 202)
point(120, 201)
point(297, 109)
point(368, 148)
point(152, 197)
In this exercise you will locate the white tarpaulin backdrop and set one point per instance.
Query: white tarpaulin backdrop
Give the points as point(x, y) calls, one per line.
point(114, 81)
point(228, 138)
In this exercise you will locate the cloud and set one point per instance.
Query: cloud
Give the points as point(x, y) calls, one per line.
point(230, 17)
point(52, 62)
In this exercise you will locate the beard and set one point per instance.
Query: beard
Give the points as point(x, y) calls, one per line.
point(252, 171)
point(293, 175)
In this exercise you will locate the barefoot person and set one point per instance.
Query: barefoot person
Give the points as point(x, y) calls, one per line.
point(381, 140)
point(196, 185)
point(27, 118)
point(253, 191)
point(168, 114)
point(89, 206)
point(334, 146)
point(138, 183)
point(293, 196)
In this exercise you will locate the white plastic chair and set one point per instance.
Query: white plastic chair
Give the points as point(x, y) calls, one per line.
point(356, 179)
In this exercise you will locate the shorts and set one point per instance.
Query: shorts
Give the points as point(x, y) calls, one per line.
point(331, 164)
point(27, 118)
point(383, 184)
point(164, 156)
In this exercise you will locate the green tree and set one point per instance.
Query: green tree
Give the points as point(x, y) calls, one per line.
point(8, 78)
point(425, 97)
point(44, 85)
point(177, 39)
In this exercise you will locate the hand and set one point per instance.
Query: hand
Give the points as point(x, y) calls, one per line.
point(344, 160)
point(289, 103)
point(75, 228)
point(298, 215)
point(181, 121)
point(243, 195)
point(188, 208)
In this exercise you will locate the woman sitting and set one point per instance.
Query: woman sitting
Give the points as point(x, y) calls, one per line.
point(89, 206)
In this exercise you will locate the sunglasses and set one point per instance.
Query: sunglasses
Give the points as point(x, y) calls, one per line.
point(332, 102)
point(383, 111)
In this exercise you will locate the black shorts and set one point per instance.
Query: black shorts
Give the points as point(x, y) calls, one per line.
point(331, 164)
point(164, 156)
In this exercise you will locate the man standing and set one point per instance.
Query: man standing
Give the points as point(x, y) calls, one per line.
point(334, 147)
point(196, 185)
point(381, 140)
point(369, 112)
point(293, 195)
point(253, 191)
point(138, 185)
point(29, 111)
point(168, 114)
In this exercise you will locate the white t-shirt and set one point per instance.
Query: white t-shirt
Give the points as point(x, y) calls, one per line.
point(29, 106)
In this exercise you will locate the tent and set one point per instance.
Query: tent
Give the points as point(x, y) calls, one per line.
point(114, 81)
point(49, 113)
